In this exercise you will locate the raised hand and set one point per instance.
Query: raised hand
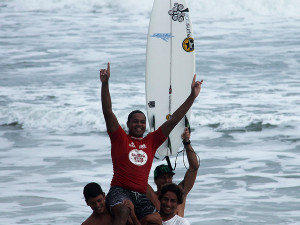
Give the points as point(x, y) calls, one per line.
point(105, 74)
point(186, 135)
point(196, 86)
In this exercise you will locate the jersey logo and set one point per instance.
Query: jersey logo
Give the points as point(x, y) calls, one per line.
point(142, 146)
point(132, 145)
point(138, 157)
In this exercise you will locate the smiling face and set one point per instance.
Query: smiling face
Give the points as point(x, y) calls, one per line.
point(168, 205)
point(97, 204)
point(161, 180)
point(137, 125)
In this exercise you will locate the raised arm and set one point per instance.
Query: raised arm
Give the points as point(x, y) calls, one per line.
point(190, 176)
point(111, 120)
point(168, 126)
point(151, 195)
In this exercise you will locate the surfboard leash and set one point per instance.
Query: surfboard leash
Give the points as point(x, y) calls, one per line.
point(167, 158)
point(183, 156)
point(187, 124)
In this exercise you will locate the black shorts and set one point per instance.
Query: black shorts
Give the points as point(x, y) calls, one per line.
point(142, 205)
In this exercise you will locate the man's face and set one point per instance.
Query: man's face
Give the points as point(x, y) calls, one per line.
point(97, 204)
point(167, 178)
point(168, 204)
point(137, 125)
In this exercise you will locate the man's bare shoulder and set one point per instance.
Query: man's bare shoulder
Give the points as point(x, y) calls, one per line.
point(104, 219)
point(86, 222)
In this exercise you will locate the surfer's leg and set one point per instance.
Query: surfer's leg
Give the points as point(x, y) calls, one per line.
point(120, 214)
point(114, 203)
point(146, 211)
point(152, 219)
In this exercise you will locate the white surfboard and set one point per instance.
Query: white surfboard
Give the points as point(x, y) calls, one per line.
point(170, 67)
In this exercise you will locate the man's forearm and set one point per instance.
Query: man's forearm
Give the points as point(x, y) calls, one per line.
point(192, 158)
point(106, 99)
point(183, 109)
point(168, 126)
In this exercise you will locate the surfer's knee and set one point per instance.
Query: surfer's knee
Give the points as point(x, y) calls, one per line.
point(151, 219)
point(120, 212)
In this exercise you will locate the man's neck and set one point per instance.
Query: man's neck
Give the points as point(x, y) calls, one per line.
point(167, 217)
point(136, 138)
point(157, 192)
point(99, 215)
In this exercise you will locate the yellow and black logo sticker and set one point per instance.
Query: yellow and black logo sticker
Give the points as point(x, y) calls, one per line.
point(168, 116)
point(188, 44)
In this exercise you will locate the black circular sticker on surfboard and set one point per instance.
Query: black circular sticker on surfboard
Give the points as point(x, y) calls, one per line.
point(188, 44)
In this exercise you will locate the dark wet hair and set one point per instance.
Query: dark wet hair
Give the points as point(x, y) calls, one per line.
point(134, 112)
point(172, 188)
point(162, 170)
point(92, 190)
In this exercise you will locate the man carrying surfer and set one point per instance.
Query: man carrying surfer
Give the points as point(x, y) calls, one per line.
point(132, 155)
point(171, 196)
point(95, 198)
point(164, 175)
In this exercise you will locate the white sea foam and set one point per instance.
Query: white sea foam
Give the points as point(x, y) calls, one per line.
point(245, 123)
point(74, 108)
point(200, 8)
point(89, 117)
point(5, 144)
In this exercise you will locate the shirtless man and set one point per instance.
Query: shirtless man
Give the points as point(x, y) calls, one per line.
point(95, 198)
point(164, 175)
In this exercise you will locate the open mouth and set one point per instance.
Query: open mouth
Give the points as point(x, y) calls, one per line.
point(99, 210)
point(139, 130)
point(167, 209)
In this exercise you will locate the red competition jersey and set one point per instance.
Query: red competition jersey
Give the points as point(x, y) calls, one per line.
point(132, 158)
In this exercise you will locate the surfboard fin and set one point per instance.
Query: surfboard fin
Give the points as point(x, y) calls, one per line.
point(169, 163)
point(152, 126)
point(187, 123)
point(170, 145)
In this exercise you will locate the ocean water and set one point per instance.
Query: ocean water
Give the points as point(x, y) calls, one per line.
point(245, 123)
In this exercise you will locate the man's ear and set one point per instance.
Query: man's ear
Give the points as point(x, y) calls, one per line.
point(87, 203)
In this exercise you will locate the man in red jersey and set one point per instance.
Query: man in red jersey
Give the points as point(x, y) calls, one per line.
point(132, 155)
